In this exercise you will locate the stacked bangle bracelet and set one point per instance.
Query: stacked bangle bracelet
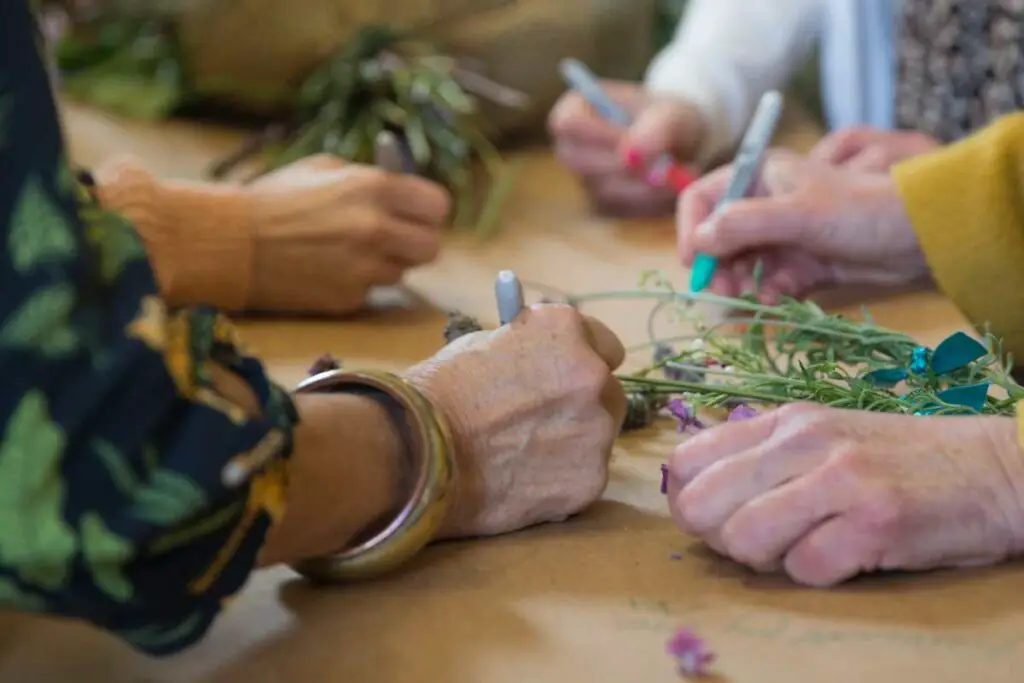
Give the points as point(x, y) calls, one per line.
point(428, 442)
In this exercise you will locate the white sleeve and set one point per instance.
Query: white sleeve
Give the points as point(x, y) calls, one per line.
point(727, 53)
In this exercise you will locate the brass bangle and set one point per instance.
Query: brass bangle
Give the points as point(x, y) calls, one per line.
point(421, 517)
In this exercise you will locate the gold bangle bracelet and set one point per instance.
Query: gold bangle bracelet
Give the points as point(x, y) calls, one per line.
point(429, 441)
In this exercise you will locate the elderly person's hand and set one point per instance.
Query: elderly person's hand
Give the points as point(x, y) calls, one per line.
point(609, 160)
point(312, 237)
point(872, 150)
point(826, 494)
point(535, 409)
point(811, 225)
point(327, 231)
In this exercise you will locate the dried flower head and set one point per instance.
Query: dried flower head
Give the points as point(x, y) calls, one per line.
point(690, 652)
point(664, 479)
point(688, 421)
point(459, 325)
point(324, 363)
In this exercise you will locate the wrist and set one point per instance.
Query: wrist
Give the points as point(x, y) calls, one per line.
point(464, 505)
point(197, 235)
point(347, 473)
point(1008, 441)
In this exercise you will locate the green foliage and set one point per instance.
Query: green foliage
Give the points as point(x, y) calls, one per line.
point(128, 65)
point(385, 81)
point(794, 351)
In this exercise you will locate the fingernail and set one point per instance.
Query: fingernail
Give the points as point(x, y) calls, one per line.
point(656, 179)
point(633, 158)
point(705, 230)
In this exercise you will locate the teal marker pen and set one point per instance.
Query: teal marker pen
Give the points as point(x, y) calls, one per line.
point(752, 149)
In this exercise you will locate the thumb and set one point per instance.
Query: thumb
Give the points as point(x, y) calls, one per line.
point(662, 127)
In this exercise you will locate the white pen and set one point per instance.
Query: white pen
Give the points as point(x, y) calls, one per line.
point(509, 293)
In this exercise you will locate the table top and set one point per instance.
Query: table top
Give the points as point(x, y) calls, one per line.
point(593, 599)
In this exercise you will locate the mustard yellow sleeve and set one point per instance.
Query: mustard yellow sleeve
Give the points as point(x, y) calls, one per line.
point(966, 204)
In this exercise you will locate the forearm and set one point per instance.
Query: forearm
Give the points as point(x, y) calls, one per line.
point(345, 474)
point(727, 53)
point(198, 235)
point(966, 205)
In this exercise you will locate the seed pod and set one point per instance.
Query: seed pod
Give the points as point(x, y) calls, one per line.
point(460, 325)
point(641, 410)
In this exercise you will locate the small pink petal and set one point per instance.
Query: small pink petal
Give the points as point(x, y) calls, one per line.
point(741, 412)
point(690, 652)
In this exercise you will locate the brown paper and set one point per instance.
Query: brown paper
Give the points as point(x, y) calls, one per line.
point(592, 600)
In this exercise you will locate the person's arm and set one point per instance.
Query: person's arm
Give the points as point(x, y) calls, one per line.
point(199, 237)
point(143, 457)
point(966, 205)
point(727, 53)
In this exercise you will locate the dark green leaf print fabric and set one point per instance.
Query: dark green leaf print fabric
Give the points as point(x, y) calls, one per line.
point(114, 503)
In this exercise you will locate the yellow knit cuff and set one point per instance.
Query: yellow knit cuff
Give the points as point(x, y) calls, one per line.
point(964, 203)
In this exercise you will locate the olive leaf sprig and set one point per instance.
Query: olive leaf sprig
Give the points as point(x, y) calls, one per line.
point(384, 79)
point(794, 351)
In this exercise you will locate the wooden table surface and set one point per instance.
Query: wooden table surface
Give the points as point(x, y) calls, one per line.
point(593, 599)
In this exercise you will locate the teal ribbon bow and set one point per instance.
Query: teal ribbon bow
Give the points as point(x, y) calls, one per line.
point(955, 352)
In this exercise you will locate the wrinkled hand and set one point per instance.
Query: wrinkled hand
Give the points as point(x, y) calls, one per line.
point(535, 411)
point(811, 225)
point(605, 157)
point(872, 150)
point(826, 494)
point(327, 231)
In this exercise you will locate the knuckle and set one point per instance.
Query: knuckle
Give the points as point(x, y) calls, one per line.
point(690, 512)
point(388, 274)
point(590, 373)
point(739, 542)
point(370, 228)
point(882, 511)
point(802, 420)
point(373, 179)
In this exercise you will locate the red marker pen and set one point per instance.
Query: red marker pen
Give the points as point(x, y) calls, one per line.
point(667, 173)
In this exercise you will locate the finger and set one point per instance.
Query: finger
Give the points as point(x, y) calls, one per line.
point(624, 195)
point(695, 207)
point(720, 490)
point(763, 530)
point(613, 398)
point(836, 550)
point(661, 128)
point(839, 147)
point(872, 159)
point(702, 450)
point(753, 224)
point(574, 119)
point(407, 243)
point(384, 272)
point(411, 198)
point(605, 342)
point(588, 160)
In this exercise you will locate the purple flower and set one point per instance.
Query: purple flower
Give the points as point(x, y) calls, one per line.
point(664, 479)
point(688, 421)
point(690, 652)
point(741, 412)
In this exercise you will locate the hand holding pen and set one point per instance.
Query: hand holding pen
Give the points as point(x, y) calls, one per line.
point(617, 138)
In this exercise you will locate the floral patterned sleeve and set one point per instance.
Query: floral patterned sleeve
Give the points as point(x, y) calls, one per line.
point(132, 494)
